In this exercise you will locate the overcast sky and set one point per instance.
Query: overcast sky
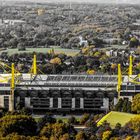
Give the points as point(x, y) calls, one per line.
point(98, 1)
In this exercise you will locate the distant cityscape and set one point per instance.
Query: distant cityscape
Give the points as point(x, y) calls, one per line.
point(79, 1)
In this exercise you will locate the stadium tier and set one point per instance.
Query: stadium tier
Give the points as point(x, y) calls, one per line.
point(61, 92)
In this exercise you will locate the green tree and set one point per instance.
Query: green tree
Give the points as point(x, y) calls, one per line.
point(124, 105)
point(118, 106)
point(134, 42)
point(72, 120)
point(56, 130)
point(136, 104)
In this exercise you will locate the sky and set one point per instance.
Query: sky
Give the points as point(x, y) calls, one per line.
point(98, 1)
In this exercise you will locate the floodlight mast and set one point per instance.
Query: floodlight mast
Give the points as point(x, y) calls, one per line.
point(34, 65)
point(119, 80)
point(130, 72)
point(11, 106)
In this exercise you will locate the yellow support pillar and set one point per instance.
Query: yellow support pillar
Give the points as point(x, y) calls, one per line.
point(11, 104)
point(119, 80)
point(34, 65)
point(13, 77)
point(130, 72)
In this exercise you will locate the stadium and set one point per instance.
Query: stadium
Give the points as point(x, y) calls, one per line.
point(65, 93)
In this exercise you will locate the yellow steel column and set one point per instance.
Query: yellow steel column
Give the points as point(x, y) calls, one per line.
point(13, 77)
point(11, 105)
point(130, 72)
point(34, 65)
point(119, 80)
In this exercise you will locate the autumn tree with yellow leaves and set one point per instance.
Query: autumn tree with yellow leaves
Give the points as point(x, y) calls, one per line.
point(56, 60)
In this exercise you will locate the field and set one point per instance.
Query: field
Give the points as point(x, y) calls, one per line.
point(69, 52)
point(115, 47)
point(116, 117)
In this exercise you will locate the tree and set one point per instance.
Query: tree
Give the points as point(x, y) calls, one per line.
point(21, 124)
point(106, 135)
point(137, 67)
point(56, 130)
point(72, 120)
point(59, 129)
point(46, 131)
point(136, 104)
point(2, 112)
point(124, 105)
point(113, 67)
point(115, 131)
point(90, 72)
point(134, 42)
point(21, 47)
point(134, 124)
point(14, 136)
point(93, 137)
point(103, 128)
point(84, 118)
point(37, 138)
point(129, 138)
point(56, 60)
point(53, 138)
point(26, 111)
point(80, 136)
point(65, 137)
point(97, 54)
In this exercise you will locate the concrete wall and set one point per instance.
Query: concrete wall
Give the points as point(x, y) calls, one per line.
point(2, 101)
point(105, 104)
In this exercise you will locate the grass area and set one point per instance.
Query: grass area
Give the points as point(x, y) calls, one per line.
point(64, 119)
point(116, 117)
point(115, 47)
point(57, 49)
point(70, 52)
point(37, 119)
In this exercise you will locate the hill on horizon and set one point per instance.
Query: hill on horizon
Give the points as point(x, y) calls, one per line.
point(81, 1)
